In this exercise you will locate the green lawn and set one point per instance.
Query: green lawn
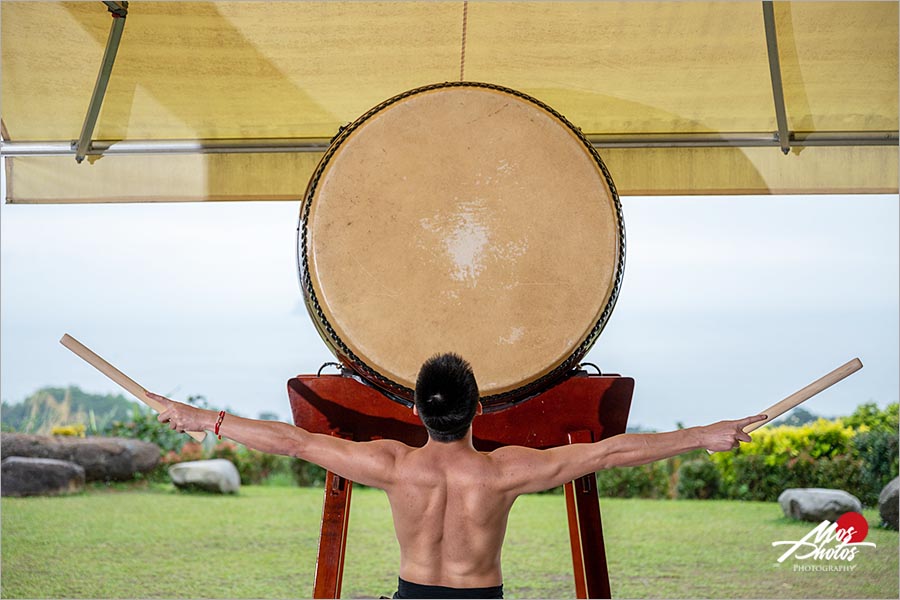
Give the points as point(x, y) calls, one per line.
point(160, 543)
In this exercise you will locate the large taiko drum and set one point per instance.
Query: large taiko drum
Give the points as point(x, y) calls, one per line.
point(461, 217)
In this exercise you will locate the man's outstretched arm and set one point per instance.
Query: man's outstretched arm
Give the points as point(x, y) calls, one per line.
point(368, 463)
point(526, 470)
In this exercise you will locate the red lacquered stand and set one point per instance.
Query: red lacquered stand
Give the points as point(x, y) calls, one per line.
point(583, 408)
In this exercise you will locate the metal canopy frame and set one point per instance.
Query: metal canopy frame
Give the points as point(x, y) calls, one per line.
point(267, 145)
point(85, 146)
point(784, 136)
point(119, 11)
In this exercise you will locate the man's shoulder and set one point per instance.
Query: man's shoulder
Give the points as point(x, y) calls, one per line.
point(511, 455)
point(506, 452)
point(387, 445)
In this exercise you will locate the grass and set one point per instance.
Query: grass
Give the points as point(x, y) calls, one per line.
point(261, 543)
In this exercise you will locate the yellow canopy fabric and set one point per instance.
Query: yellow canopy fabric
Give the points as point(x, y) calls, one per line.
point(300, 70)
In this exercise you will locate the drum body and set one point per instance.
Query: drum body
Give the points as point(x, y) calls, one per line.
point(461, 217)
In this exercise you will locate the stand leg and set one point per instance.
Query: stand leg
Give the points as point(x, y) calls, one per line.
point(575, 541)
point(586, 533)
point(333, 537)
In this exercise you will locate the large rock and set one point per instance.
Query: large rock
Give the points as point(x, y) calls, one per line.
point(817, 504)
point(887, 502)
point(103, 459)
point(216, 475)
point(40, 477)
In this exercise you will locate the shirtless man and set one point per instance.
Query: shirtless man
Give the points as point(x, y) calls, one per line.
point(450, 503)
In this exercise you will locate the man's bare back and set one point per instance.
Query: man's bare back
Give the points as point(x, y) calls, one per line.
point(449, 515)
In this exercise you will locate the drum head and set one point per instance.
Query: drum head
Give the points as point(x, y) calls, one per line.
point(467, 218)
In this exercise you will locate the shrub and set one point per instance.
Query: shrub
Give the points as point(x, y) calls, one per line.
point(254, 467)
point(867, 417)
point(755, 479)
point(307, 474)
point(673, 466)
point(877, 451)
point(860, 458)
point(842, 472)
point(821, 439)
point(227, 450)
point(646, 481)
point(190, 451)
point(69, 430)
point(144, 426)
point(699, 479)
point(783, 457)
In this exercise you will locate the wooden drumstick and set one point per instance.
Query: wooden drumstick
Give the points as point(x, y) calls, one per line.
point(824, 382)
point(800, 396)
point(120, 378)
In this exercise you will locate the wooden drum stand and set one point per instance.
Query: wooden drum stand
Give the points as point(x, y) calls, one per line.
point(583, 408)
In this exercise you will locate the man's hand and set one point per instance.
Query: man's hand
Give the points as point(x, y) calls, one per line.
point(182, 417)
point(726, 435)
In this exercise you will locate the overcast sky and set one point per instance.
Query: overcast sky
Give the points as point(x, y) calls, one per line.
point(728, 303)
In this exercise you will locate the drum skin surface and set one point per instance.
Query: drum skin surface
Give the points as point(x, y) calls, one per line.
point(461, 217)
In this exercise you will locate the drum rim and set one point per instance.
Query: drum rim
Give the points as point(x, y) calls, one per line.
point(369, 375)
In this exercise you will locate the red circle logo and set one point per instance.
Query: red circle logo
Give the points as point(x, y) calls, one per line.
point(855, 525)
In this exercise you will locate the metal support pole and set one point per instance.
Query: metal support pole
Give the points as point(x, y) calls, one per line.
point(744, 140)
point(297, 145)
point(118, 10)
point(784, 136)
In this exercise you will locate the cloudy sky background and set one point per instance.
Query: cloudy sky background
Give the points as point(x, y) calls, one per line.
point(728, 304)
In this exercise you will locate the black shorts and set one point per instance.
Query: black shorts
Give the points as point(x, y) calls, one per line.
point(406, 589)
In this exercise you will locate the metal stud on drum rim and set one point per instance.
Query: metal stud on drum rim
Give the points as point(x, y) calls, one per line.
point(461, 217)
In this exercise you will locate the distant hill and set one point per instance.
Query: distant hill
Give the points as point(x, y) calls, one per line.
point(797, 418)
point(49, 407)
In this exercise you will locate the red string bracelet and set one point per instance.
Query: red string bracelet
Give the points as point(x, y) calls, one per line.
point(219, 422)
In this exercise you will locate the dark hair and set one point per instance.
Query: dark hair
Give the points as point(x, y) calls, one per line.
point(446, 396)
